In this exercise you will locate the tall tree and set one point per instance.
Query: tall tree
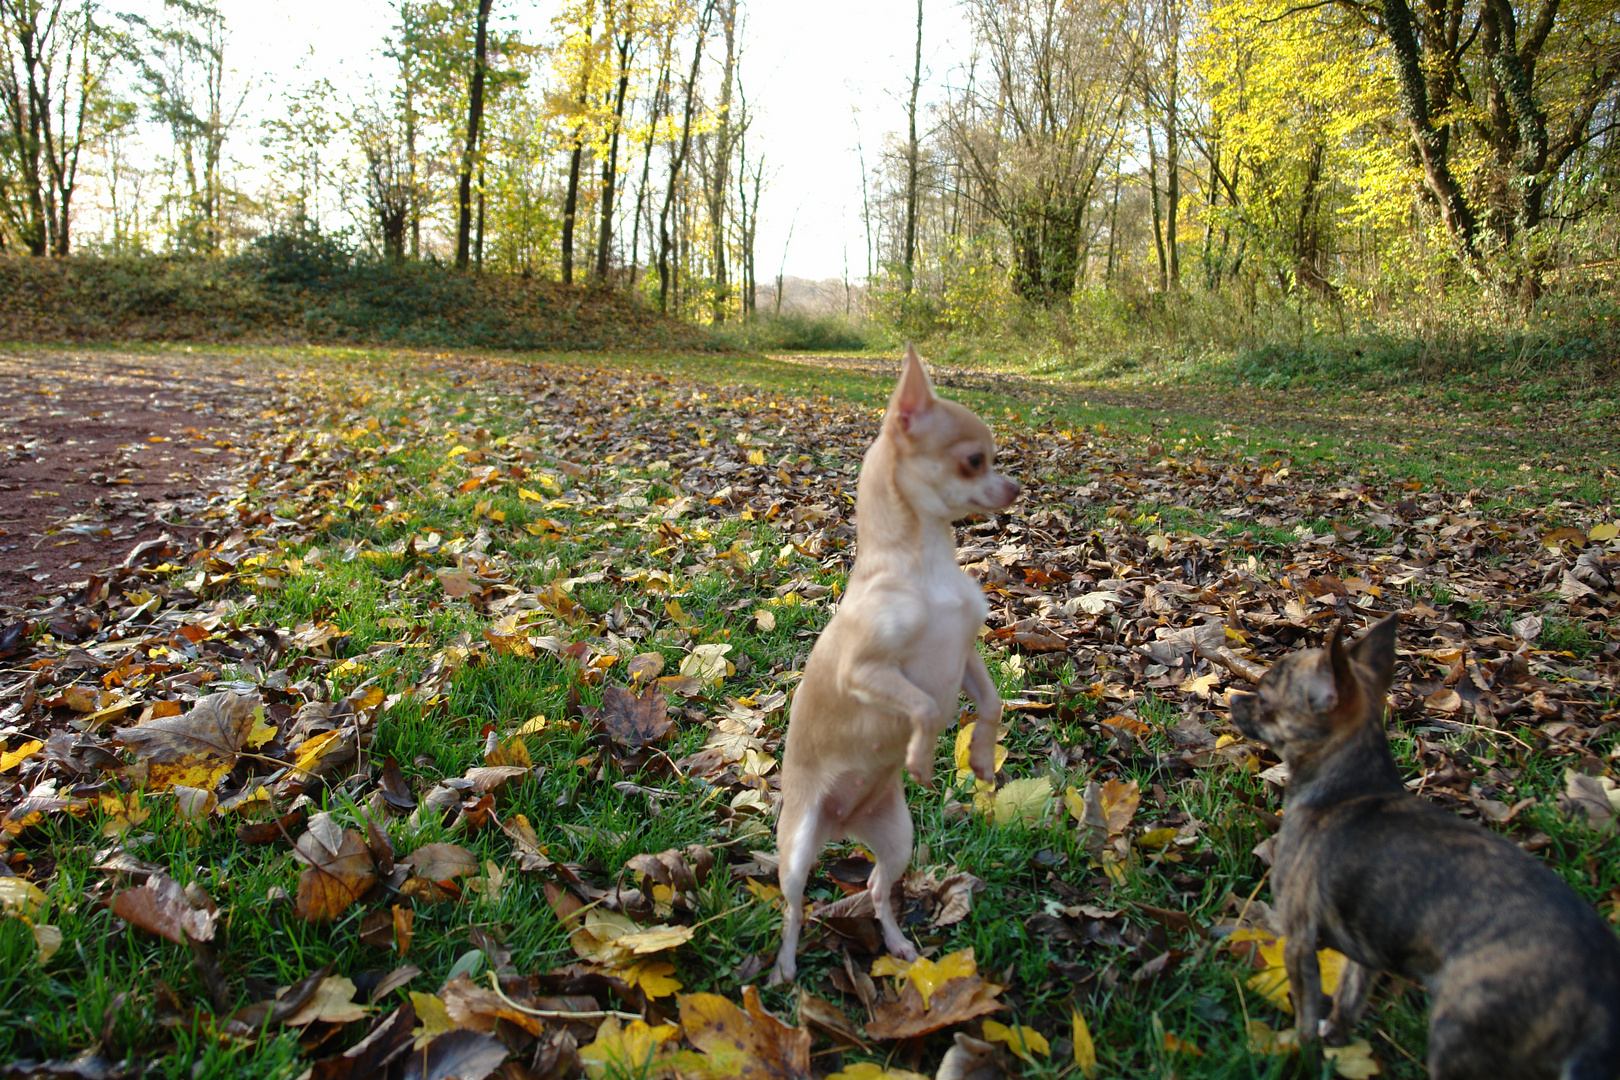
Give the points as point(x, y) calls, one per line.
point(623, 30)
point(911, 158)
point(677, 157)
point(475, 120)
point(53, 63)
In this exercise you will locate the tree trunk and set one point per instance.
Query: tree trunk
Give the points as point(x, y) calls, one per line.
point(478, 240)
point(571, 207)
point(911, 160)
point(719, 181)
point(1172, 140)
point(1158, 220)
point(610, 168)
point(1412, 93)
point(475, 120)
point(678, 159)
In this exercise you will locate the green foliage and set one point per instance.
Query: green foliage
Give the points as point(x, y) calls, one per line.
point(797, 330)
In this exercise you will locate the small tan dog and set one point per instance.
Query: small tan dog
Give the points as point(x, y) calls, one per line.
point(885, 677)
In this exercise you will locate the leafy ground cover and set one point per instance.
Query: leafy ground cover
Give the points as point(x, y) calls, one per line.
point(442, 738)
point(286, 298)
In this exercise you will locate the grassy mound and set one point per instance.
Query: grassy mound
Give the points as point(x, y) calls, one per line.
point(258, 300)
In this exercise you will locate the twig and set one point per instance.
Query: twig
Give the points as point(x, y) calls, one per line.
point(1243, 669)
point(557, 1014)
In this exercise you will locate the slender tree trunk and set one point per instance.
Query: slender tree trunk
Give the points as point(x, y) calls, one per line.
point(414, 194)
point(571, 206)
point(660, 105)
point(1172, 140)
point(478, 241)
point(719, 181)
point(1158, 220)
point(911, 160)
point(678, 159)
point(475, 120)
point(610, 168)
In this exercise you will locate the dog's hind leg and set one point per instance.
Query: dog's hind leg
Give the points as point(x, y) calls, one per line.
point(1349, 999)
point(800, 833)
point(884, 826)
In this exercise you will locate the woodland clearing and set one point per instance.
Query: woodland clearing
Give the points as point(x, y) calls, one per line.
point(427, 719)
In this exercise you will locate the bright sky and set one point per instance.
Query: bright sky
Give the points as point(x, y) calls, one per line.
point(807, 68)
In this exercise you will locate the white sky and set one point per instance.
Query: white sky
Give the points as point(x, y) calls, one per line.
point(807, 68)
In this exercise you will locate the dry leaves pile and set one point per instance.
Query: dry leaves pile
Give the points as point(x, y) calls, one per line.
point(156, 680)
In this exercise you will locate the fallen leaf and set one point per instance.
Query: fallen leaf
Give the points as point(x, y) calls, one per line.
point(1085, 1051)
point(160, 906)
point(443, 862)
point(456, 1055)
point(1020, 802)
point(627, 1051)
point(338, 869)
point(707, 663)
point(1026, 1042)
point(332, 1003)
point(1354, 1061)
point(10, 759)
point(634, 720)
point(738, 1045)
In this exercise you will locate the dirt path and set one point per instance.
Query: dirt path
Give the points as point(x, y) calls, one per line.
point(102, 451)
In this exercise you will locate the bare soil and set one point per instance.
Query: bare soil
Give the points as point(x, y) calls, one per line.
point(102, 451)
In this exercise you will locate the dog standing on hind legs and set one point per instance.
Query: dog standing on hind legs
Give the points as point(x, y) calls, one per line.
point(1524, 976)
point(885, 676)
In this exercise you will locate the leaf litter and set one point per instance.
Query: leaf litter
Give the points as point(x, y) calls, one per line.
point(1135, 584)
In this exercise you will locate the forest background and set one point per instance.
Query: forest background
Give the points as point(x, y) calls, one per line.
point(1296, 188)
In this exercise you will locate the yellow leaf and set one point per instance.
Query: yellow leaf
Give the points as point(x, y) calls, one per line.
point(628, 1051)
point(314, 748)
point(765, 619)
point(1601, 534)
point(1353, 1062)
point(655, 977)
point(756, 457)
point(532, 496)
point(1085, 1051)
point(1026, 1042)
point(47, 939)
point(18, 896)
point(432, 1019)
point(767, 894)
point(925, 974)
point(10, 759)
point(1154, 839)
point(1271, 982)
point(657, 939)
point(871, 1070)
point(964, 745)
point(708, 663)
point(533, 726)
point(262, 731)
point(204, 773)
point(1076, 802)
point(1263, 1040)
point(1201, 685)
point(1023, 801)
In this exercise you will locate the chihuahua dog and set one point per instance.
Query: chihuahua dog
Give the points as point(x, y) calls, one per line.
point(885, 676)
point(1524, 975)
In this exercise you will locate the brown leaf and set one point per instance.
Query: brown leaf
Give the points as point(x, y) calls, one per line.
point(461, 1054)
point(161, 907)
point(951, 1002)
point(338, 869)
point(443, 862)
point(394, 788)
point(752, 1045)
point(472, 1006)
point(634, 720)
point(268, 832)
point(645, 666)
point(218, 726)
point(371, 1056)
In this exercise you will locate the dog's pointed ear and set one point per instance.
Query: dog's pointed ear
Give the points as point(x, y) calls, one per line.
point(1374, 653)
point(1333, 687)
point(914, 395)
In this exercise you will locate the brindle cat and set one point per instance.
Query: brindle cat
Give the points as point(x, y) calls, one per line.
point(1524, 975)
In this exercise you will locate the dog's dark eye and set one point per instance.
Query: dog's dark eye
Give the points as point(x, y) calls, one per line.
point(975, 462)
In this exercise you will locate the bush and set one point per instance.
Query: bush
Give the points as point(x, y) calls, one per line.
point(801, 331)
point(300, 255)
